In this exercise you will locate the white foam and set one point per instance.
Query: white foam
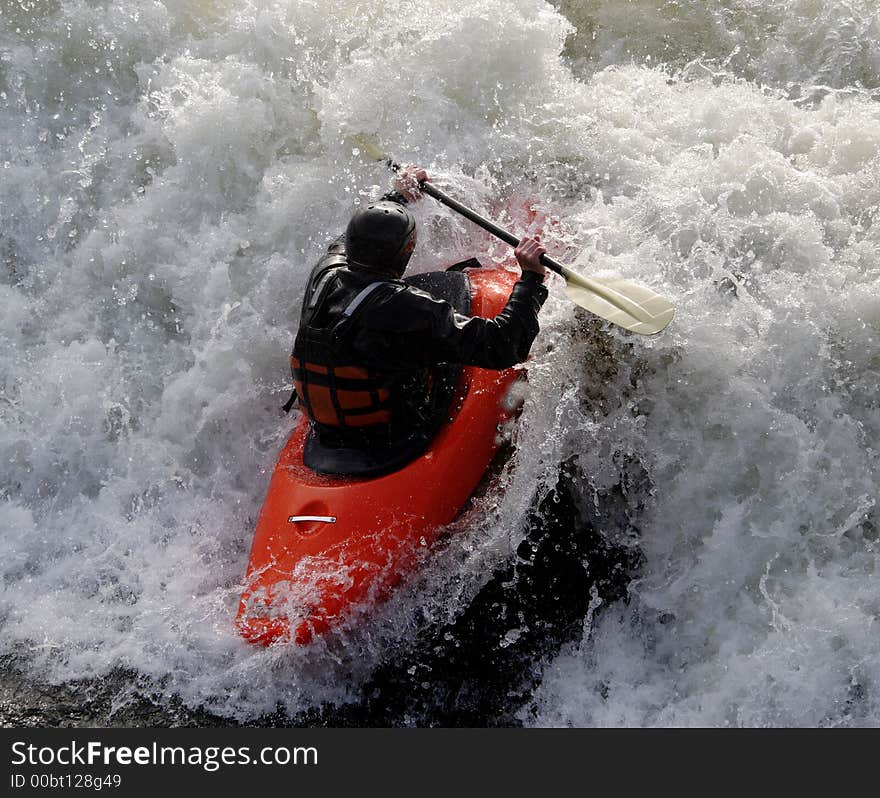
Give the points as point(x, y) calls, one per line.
point(171, 170)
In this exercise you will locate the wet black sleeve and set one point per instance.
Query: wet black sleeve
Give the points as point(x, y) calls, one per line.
point(412, 329)
point(331, 259)
point(338, 245)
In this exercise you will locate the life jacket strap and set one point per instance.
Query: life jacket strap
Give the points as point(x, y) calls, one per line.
point(364, 293)
point(288, 405)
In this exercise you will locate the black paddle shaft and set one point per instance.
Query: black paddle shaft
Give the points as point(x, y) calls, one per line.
point(482, 221)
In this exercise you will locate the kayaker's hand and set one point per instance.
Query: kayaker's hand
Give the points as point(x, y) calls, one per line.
point(407, 181)
point(528, 255)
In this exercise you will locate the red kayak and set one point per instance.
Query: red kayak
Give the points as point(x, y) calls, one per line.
point(327, 545)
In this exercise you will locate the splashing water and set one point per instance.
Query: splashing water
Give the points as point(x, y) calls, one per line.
point(171, 170)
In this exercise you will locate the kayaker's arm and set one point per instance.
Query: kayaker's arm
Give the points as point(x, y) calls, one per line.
point(412, 329)
point(332, 259)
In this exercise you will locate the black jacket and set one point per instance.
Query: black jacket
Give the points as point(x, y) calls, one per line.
point(408, 330)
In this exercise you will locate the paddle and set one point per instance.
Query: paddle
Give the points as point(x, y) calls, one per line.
point(632, 307)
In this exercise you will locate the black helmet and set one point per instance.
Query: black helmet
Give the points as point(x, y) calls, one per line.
point(381, 237)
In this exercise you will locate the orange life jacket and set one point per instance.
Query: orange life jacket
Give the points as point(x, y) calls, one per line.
point(333, 393)
point(340, 396)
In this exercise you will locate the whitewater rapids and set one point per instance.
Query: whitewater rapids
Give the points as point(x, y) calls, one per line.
point(171, 169)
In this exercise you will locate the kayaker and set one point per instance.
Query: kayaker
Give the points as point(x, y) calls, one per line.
point(364, 357)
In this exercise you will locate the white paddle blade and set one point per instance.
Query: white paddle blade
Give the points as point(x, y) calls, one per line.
point(367, 145)
point(632, 307)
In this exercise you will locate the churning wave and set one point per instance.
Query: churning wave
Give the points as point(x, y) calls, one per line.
point(685, 532)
